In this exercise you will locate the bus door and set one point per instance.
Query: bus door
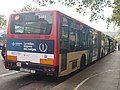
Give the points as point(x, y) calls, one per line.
point(64, 43)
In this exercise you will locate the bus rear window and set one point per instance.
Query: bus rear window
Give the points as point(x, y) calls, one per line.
point(31, 23)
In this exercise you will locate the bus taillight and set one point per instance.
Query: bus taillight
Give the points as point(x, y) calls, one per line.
point(48, 61)
point(11, 57)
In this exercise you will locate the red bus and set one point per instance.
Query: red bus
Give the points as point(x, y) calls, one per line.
point(52, 43)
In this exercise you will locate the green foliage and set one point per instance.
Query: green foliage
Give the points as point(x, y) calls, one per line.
point(3, 21)
point(27, 8)
point(45, 2)
point(95, 7)
point(116, 13)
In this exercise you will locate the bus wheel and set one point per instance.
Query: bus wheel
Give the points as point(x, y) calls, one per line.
point(82, 63)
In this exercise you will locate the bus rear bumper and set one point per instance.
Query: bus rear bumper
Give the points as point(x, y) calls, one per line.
point(34, 67)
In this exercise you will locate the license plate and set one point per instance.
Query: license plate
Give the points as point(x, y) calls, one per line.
point(27, 70)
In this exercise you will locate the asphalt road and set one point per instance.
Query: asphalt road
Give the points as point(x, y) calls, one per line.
point(2, 68)
point(102, 75)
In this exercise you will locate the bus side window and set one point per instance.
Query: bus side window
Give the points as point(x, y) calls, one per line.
point(78, 36)
point(90, 39)
point(72, 36)
point(64, 34)
point(72, 40)
point(95, 39)
point(84, 39)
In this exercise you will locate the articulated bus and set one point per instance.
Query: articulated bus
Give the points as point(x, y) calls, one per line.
point(52, 43)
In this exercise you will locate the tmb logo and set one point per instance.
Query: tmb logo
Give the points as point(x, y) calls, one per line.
point(43, 47)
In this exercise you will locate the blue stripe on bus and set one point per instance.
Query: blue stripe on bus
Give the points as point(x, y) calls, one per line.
point(28, 45)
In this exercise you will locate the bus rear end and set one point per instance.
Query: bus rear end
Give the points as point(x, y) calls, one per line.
point(31, 43)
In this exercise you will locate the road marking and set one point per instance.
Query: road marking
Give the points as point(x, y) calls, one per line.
point(80, 84)
point(7, 74)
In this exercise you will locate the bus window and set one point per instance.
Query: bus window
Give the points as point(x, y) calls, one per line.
point(64, 34)
point(90, 39)
point(32, 23)
point(78, 38)
point(95, 39)
point(84, 40)
point(72, 36)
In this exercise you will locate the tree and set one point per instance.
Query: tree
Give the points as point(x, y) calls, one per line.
point(3, 21)
point(116, 13)
point(27, 8)
point(95, 7)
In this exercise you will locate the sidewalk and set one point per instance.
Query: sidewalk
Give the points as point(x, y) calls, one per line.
point(108, 78)
point(103, 75)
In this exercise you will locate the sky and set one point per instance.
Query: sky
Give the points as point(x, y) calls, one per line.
point(8, 6)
